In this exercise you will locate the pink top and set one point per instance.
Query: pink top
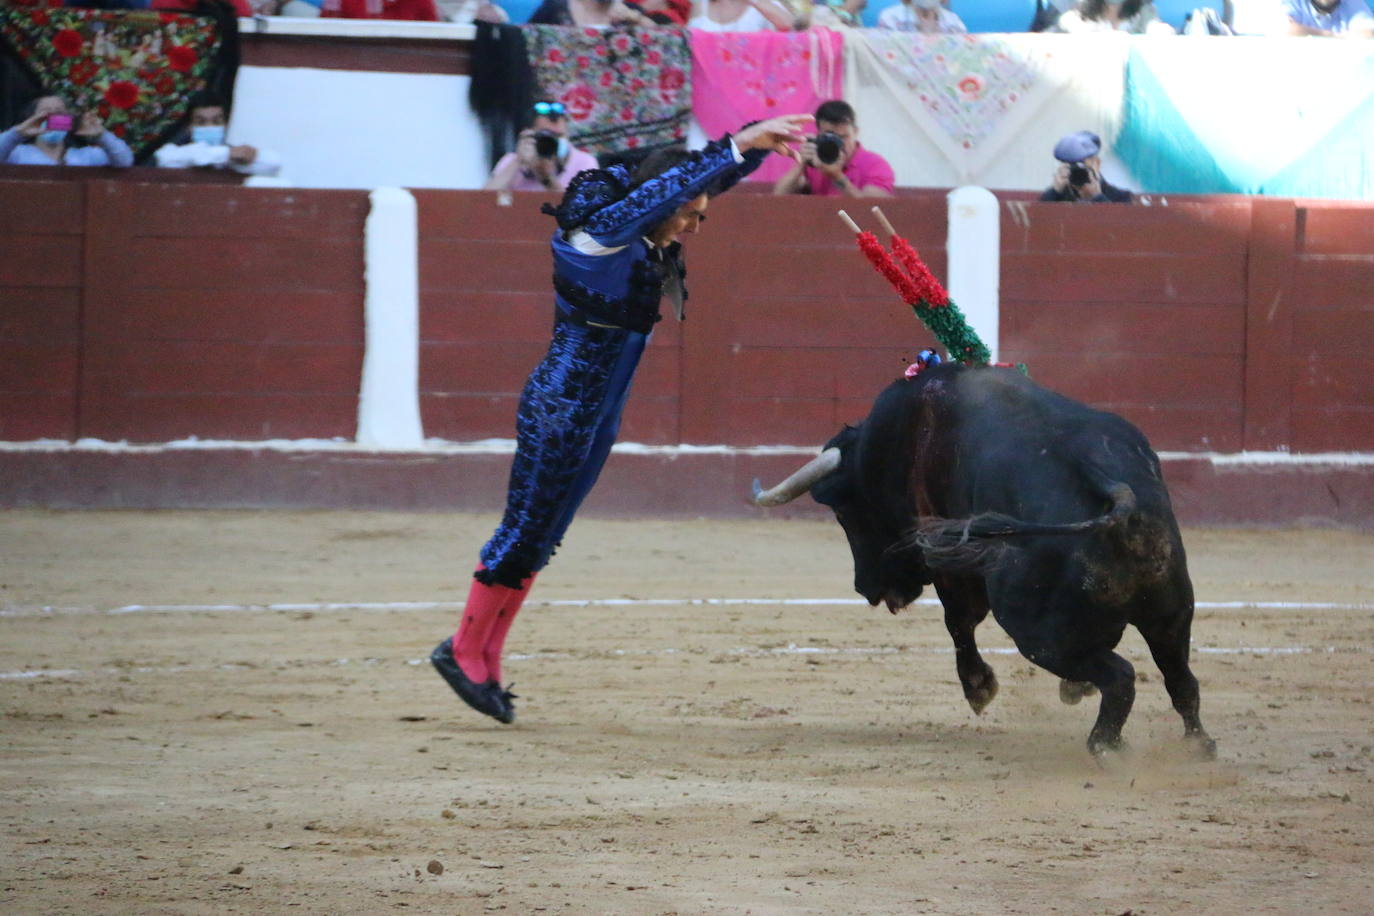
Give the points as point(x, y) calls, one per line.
point(578, 160)
point(865, 169)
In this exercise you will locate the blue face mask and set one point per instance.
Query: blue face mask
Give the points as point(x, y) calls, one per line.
point(212, 134)
point(53, 137)
point(563, 147)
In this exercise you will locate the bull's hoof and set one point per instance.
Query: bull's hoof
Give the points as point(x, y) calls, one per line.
point(1071, 692)
point(1105, 747)
point(1201, 745)
point(980, 689)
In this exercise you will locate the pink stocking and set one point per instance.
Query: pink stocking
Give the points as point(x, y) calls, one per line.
point(480, 616)
point(496, 637)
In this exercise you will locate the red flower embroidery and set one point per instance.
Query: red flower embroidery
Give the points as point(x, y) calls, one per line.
point(670, 82)
point(579, 101)
point(555, 56)
point(165, 84)
point(621, 43)
point(68, 42)
point(182, 58)
point(652, 57)
point(583, 60)
point(627, 114)
point(632, 142)
point(83, 71)
point(971, 86)
point(119, 130)
point(39, 17)
point(607, 78)
point(624, 66)
point(122, 94)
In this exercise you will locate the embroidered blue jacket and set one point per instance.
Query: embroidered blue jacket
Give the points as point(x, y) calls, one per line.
point(604, 271)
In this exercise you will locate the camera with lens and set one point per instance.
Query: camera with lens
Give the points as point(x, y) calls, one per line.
point(1079, 174)
point(829, 146)
point(545, 144)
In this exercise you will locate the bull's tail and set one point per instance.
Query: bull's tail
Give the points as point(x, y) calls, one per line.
point(975, 544)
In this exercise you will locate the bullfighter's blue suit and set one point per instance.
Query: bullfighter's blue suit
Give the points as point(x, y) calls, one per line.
point(608, 283)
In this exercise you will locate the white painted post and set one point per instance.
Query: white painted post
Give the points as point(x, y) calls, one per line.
point(389, 395)
point(974, 251)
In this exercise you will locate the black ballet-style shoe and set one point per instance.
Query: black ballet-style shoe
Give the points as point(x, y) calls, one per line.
point(480, 697)
point(504, 697)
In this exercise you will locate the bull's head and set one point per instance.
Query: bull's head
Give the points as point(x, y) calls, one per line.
point(886, 568)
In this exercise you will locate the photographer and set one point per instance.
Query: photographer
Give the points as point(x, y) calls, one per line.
point(543, 160)
point(1079, 176)
point(833, 164)
point(46, 136)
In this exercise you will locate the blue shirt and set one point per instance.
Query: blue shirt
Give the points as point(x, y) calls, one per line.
point(1349, 15)
point(111, 151)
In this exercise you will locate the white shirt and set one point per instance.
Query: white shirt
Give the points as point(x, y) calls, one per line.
point(902, 18)
point(750, 21)
point(193, 155)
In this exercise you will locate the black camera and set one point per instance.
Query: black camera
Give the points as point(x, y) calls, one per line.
point(1079, 174)
point(545, 144)
point(829, 146)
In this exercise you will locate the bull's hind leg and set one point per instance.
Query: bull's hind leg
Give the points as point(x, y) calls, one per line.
point(966, 606)
point(1115, 678)
point(1169, 646)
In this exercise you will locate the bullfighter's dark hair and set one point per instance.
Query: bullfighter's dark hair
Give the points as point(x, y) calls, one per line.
point(658, 162)
point(837, 111)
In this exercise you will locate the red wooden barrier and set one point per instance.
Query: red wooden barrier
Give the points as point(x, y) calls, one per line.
point(154, 311)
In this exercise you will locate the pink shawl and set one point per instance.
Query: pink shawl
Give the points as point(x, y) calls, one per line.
point(739, 77)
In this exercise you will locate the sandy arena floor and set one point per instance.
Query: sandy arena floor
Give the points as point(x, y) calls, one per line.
point(669, 758)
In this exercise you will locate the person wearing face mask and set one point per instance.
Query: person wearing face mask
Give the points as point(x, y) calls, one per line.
point(51, 135)
point(205, 145)
point(1132, 17)
point(928, 17)
point(544, 159)
point(1334, 18)
point(616, 256)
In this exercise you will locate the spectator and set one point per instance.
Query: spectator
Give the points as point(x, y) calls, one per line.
point(52, 135)
point(528, 169)
point(1079, 176)
point(674, 13)
point(1333, 18)
point(1133, 17)
point(831, 13)
point(242, 8)
point(467, 12)
point(414, 10)
point(586, 13)
point(1047, 13)
point(833, 164)
point(206, 147)
point(741, 16)
point(928, 16)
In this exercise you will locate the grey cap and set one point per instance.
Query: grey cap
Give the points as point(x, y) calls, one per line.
point(1077, 147)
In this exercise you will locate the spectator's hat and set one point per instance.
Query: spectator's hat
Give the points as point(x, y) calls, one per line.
point(1077, 147)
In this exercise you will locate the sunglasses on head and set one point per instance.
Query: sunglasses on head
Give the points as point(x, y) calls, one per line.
point(548, 108)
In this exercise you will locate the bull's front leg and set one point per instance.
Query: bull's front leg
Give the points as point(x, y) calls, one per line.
point(966, 605)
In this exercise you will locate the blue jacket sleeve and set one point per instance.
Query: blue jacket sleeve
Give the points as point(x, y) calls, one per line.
point(712, 169)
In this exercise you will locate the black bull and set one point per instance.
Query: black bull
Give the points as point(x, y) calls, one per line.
point(1011, 498)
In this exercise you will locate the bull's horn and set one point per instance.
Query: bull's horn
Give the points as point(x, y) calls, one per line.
point(800, 481)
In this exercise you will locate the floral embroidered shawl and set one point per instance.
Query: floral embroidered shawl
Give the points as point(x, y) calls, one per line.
point(623, 89)
point(747, 76)
point(138, 70)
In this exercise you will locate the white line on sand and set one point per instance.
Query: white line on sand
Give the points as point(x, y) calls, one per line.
point(746, 651)
point(328, 607)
